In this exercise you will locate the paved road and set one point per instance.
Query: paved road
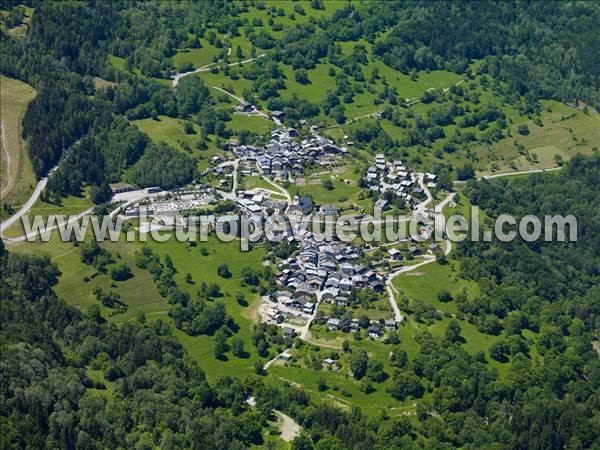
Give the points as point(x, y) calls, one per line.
point(391, 289)
point(281, 190)
point(419, 209)
point(522, 172)
point(232, 194)
point(510, 174)
point(241, 100)
point(127, 197)
point(33, 234)
point(28, 204)
point(179, 76)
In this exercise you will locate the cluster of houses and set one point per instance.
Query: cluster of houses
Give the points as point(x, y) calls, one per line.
point(321, 272)
point(385, 176)
point(374, 331)
point(283, 157)
point(256, 203)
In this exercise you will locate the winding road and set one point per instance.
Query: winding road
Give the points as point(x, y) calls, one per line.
point(241, 100)
point(178, 76)
point(419, 209)
point(35, 195)
point(281, 190)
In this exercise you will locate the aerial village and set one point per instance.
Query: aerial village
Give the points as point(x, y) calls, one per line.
point(318, 272)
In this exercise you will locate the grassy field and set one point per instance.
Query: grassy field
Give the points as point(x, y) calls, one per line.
point(19, 31)
point(557, 130)
point(197, 57)
point(254, 123)
point(18, 178)
point(426, 282)
point(343, 178)
point(565, 131)
point(138, 293)
point(204, 269)
point(379, 309)
point(170, 131)
point(253, 182)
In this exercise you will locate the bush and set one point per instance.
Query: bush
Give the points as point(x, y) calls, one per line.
point(121, 272)
point(223, 271)
point(523, 129)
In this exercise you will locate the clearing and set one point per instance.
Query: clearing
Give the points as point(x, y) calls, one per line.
point(18, 179)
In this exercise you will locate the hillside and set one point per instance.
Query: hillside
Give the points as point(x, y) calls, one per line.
point(176, 123)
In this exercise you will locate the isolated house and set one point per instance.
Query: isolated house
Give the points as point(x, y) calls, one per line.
point(433, 247)
point(415, 251)
point(382, 204)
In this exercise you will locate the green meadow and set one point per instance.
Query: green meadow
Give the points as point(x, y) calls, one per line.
point(171, 131)
point(202, 268)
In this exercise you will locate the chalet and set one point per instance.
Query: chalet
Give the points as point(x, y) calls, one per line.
point(333, 323)
point(395, 254)
point(289, 332)
point(329, 294)
point(309, 308)
point(315, 283)
point(300, 206)
point(304, 292)
point(382, 204)
point(374, 332)
point(359, 281)
point(278, 206)
point(376, 286)
point(347, 268)
point(390, 324)
point(345, 285)
point(341, 301)
point(278, 116)
point(244, 107)
point(433, 247)
point(415, 251)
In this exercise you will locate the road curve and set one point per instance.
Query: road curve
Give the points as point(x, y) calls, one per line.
point(35, 195)
point(281, 190)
